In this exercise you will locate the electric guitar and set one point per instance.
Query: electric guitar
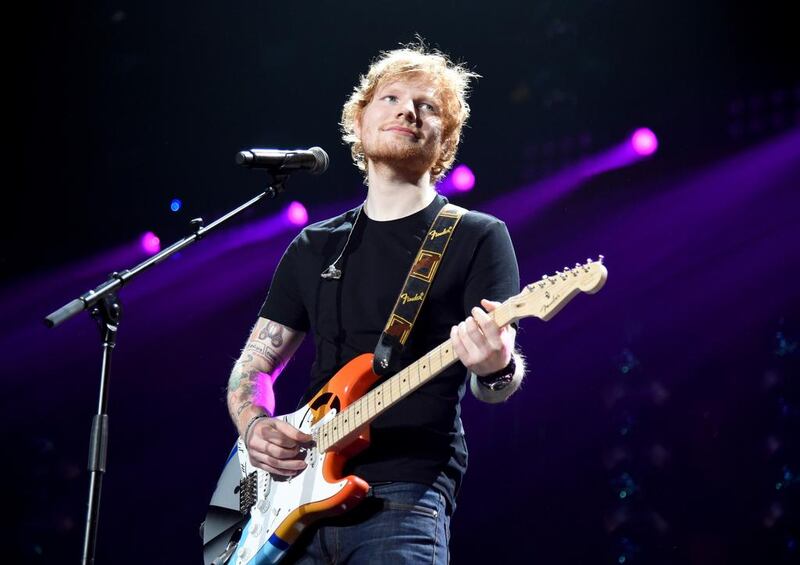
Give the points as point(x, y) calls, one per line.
point(338, 419)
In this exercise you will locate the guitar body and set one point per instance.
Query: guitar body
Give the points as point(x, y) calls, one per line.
point(285, 507)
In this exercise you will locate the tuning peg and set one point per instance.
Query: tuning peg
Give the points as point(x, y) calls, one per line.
point(601, 258)
point(588, 260)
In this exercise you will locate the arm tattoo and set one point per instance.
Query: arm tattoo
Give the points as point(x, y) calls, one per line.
point(238, 373)
point(240, 389)
point(272, 331)
point(265, 351)
point(242, 408)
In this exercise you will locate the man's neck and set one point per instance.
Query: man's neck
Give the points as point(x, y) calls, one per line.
point(394, 194)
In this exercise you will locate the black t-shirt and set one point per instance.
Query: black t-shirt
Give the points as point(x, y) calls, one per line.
point(420, 439)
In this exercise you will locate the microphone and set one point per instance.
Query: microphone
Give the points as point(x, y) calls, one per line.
point(313, 160)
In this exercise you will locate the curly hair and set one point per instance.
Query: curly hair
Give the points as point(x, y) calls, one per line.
point(452, 80)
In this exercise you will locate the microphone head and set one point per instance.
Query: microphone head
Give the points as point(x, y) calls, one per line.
point(322, 160)
point(313, 160)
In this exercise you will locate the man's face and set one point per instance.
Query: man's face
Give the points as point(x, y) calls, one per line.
point(402, 124)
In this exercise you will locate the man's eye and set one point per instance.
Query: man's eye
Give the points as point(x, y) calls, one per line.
point(427, 107)
point(390, 98)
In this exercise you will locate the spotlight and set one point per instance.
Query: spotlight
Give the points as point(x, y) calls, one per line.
point(460, 179)
point(297, 214)
point(463, 178)
point(644, 142)
point(175, 205)
point(150, 243)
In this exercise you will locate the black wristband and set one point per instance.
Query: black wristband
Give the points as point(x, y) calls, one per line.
point(501, 378)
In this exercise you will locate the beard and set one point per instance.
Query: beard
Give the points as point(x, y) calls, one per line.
point(401, 153)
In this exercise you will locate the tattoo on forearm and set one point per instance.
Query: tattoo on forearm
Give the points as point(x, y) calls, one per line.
point(242, 407)
point(249, 387)
point(241, 390)
point(272, 331)
point(247, 371)
point(240, 372)
point(263, 350)
point(235, 380)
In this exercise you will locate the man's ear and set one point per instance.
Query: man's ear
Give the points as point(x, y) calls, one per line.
point(448, 144)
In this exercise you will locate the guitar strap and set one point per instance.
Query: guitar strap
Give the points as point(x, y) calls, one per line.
point(415, 290)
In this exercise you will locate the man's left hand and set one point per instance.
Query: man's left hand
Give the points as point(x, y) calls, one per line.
point(480, 344)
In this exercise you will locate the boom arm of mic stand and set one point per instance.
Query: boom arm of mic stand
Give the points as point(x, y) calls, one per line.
point(88, 299)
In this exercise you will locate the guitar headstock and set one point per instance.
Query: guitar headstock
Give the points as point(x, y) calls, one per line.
point(545, 297)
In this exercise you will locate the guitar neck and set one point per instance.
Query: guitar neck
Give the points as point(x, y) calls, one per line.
point(542, 299)
point(396, 388)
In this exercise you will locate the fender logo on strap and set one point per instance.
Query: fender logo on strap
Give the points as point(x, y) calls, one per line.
point(415, 298)
point(434, 234)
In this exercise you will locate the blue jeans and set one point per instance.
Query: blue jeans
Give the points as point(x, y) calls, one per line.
point(401, 523)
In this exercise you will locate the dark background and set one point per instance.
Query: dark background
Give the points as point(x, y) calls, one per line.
point(659, 421)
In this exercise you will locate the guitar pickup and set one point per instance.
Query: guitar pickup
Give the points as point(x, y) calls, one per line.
point(248, 493)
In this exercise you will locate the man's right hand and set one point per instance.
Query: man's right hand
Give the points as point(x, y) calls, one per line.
point(275, 446)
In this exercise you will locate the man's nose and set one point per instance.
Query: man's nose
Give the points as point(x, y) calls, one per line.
point(408, 110)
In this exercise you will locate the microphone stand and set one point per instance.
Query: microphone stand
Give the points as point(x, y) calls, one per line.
point(104, 306)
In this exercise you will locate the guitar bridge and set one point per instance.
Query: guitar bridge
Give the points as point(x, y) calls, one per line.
point(248, 493)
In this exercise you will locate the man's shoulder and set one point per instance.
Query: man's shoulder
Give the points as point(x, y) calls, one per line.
point(319, 233)
point(481, 222)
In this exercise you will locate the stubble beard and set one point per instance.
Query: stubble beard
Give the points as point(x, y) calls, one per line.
point(401, 154)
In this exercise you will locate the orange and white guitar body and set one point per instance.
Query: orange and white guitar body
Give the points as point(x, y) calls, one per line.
point(283, 508)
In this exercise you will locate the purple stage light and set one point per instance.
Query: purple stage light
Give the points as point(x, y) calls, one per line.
point(644, 142)
point(460, 179)
point(463, 178)
point(150, 243)
point(297, 214)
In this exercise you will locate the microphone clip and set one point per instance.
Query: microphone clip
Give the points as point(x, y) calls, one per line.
point(276, 183)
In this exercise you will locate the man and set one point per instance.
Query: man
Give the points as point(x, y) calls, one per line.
point(403, 122)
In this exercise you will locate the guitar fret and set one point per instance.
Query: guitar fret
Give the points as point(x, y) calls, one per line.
point(346, 424)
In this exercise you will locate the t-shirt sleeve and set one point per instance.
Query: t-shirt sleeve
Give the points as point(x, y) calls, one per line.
point(284, 303)
point(493, 273)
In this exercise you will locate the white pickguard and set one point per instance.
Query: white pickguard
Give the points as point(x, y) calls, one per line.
point(279, 498)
